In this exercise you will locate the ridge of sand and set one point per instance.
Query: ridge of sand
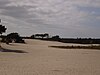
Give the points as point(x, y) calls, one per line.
point(44, 60)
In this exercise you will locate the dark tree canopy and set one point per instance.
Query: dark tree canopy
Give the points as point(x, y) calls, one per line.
point(42, 35)
point(2, 29)
point(14, 37)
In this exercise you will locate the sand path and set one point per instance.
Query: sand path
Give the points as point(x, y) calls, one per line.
point(44, 60)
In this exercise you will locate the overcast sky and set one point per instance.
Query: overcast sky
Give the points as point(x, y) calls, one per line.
point(67, 18)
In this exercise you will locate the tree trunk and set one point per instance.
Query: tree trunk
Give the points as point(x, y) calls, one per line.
point(0, 44)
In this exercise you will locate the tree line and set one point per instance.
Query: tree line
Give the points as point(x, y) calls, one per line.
point(15, 37)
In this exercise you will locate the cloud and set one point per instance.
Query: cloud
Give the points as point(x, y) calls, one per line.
point(68, 18)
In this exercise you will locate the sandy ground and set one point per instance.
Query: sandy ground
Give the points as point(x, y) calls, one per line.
point(43, 60)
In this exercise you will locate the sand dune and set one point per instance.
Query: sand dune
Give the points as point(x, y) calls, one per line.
point(43, 60)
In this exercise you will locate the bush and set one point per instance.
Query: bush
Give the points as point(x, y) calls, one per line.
point(14, 37)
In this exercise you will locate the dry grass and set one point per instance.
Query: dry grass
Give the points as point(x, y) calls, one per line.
point(78, 47)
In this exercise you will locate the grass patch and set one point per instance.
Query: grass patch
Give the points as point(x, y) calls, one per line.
point(77, 47)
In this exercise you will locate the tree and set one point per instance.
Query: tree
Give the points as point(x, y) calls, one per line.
point(56, 38)
point(33, 36)
point(15, 37)
point(2, 29)
point(46, 35)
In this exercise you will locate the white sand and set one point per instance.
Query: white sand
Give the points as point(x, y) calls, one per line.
point(44, 60)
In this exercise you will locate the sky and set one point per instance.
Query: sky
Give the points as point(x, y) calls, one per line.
point(66, 18)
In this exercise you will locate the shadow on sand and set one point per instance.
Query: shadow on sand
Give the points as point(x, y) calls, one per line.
point(14, 51)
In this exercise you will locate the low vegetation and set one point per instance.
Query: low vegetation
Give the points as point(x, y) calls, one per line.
point(78, 47)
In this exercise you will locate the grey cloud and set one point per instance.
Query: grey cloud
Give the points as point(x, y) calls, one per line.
point(17, 12)
point(4, 2)
point(65, 17)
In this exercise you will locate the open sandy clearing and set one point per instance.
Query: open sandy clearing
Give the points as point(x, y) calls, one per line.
point(43, 60)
